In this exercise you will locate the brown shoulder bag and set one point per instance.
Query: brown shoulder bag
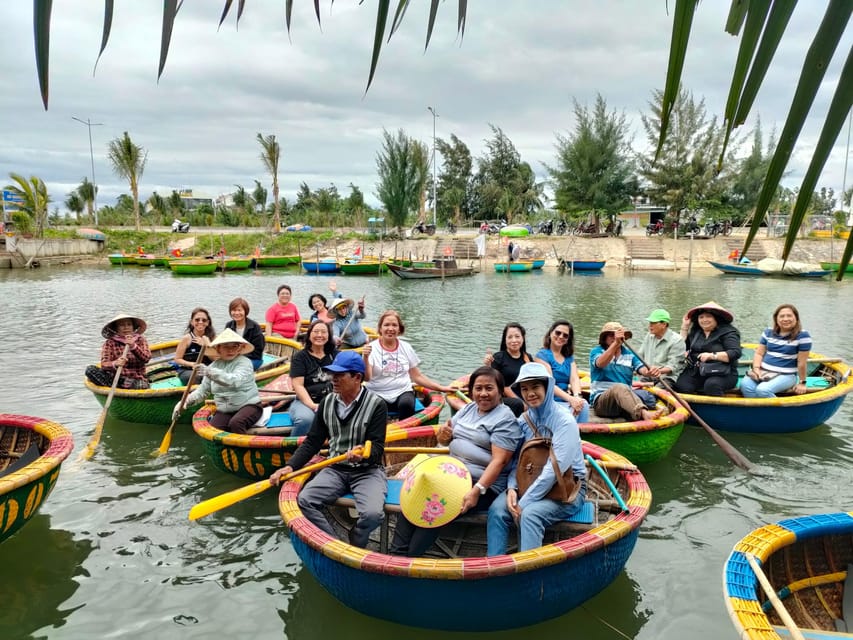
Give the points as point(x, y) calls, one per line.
point(534, 455)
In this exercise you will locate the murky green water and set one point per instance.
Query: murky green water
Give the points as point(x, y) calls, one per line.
point(112, 554)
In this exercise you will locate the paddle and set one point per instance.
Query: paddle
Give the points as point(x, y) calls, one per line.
point(734, 455)
point(219, 502)
point(792, 627)
point(89, 451)
point(167, 439)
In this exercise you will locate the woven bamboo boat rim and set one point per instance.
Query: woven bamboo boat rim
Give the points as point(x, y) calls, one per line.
point(61, 444)
point(397, 430)
point(480, 567)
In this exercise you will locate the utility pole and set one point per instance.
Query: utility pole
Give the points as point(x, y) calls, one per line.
point(434, 199)
point(91, 124)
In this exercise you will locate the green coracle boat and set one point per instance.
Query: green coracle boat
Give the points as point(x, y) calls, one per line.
point(154, 405)
point(31, 452)
point(234, 264)
point(193, 267)
point(119, 259)
point(265, 262)
point(833, 266)
point(364, 267)
point(150, 260)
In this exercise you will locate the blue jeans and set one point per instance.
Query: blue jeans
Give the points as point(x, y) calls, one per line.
point(583, 416)
point(532, 523)
point(368, 487)
point(302, 418)
point(752, 389)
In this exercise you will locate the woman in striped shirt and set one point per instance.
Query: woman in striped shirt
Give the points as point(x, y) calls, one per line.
point(780, 360)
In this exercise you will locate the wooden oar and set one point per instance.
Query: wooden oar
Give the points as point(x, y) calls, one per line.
point(459, 394)
point(219, 502)
point(167, 439)
point(792, 627)
point(89, 451)
point(734, 455)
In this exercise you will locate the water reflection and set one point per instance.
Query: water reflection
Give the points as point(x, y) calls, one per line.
point(35, 584)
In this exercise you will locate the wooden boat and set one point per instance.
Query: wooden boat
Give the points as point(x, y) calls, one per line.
point(439, 268)
point(581, 265)
point(119, 259)
point(833, 267)
point(792, 271)
point(240, 263)
point(264, 262)
point(364, 267)
point(828, 383)
point(641, 441)
point(460, 588)
point(808, 562)
point(324, 265)
point(257, 455)
point(154, 405)
point(197, 266)
point(514, 266)
point(31, 453)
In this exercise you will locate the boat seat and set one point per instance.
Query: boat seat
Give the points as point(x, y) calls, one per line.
point(845, 623)
point(272, 424)
point(31, 454)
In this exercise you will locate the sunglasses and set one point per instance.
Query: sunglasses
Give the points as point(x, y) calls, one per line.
point(561, 334)
point(204, 320)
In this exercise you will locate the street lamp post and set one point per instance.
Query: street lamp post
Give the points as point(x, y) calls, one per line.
point(91, 124)
point(434, 199)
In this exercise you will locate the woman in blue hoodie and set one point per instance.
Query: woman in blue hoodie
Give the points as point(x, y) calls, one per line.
point(533, 511)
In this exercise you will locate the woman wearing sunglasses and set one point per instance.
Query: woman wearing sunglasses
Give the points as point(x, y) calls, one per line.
point(558, 354)
point(194, 345)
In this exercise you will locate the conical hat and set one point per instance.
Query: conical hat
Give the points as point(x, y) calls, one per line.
point(433, 490)
point(713, 308)
point(338, 305)
point(139, 325)
point(230, 337)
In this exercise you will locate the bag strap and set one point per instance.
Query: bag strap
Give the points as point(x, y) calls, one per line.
point(559, 476)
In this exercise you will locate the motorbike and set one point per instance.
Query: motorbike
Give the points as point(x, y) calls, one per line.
point(614, 230)
point(545, 227)
point(654, 228)
point(715, 228)
point(562, 228)
point(691, 227)
point(180, 227)
point(451, 228)
point(421, 227)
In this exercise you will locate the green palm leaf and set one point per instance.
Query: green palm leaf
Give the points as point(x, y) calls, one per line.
point(41, 34)
point(170, 10)
point(109, 6)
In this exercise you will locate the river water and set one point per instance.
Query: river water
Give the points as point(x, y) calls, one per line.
point(112, 553)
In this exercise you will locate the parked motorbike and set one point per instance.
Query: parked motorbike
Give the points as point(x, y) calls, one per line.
point(614, 230)
point(180, 227)
point(545, 227)
point(691, 227)
point(421, 227)
point(654, 228)
point(451, 228)
point(715, 228)
point(562, 228)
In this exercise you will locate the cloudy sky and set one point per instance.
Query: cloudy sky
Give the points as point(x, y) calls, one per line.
point(518, 67)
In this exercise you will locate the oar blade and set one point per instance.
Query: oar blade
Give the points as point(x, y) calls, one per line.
point(163, 449)
point(224, 500)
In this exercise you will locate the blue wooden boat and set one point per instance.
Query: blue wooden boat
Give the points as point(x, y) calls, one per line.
point(807, 562)
point(828, 383)
point(581, 265)
point(580, 558)
point(752, 270)
point(324, 265)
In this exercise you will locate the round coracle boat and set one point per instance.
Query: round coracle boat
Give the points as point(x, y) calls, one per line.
point(578, 559)
point(828, 383)
point(795, 576)
point(254, 456)
point(155, 405)
point(31, 453)
point(641, 441)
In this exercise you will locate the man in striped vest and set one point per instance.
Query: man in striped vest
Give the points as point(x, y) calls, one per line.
point(347, 417)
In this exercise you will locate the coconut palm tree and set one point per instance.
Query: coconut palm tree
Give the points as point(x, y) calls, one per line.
point(34, 198)
point(128, 160)
point(270, 155)
point(74, 203)
point(87, 192)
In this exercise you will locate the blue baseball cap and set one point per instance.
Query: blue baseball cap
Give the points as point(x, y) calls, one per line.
point(347, 362)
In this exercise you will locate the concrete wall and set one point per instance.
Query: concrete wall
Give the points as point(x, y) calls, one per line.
point(30, 247)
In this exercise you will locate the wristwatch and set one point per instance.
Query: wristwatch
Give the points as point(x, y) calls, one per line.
point(481, 488)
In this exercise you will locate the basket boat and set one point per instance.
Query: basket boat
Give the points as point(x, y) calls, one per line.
point(324, 265)
point(828, 384)
point(455, 580)
point(517, 266)
point(151, 260)
point(538, 263)
point(31, 453)
point(269, 262)
point(581, 265)
point(641, 441)
point(118, 259)
point(364, 267)
point(193, 267)
point(257, 456)
point(808, 561)
point(234, 264)
point(154, 405)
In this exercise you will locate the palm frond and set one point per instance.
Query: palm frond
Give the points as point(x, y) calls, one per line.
point(109, 6)
point(381, 18)
point(170, 10)
point(41, 34)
